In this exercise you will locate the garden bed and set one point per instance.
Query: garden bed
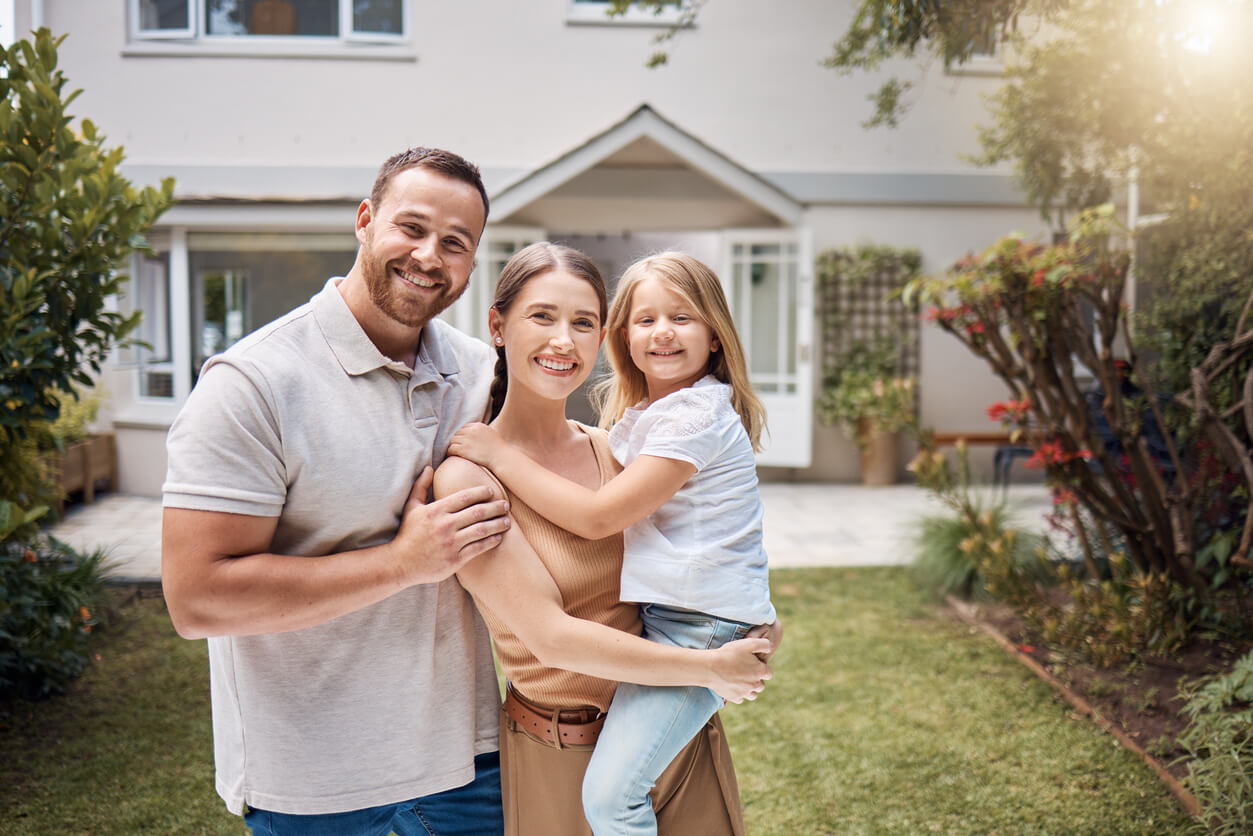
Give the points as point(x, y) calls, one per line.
point(1141, 699)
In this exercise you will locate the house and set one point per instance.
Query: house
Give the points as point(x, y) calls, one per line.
point(273, 116)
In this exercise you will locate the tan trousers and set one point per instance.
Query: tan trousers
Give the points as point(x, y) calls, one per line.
point(542, 787)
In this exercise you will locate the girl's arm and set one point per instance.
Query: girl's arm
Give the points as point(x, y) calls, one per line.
point(511, 581)
point(644, 486)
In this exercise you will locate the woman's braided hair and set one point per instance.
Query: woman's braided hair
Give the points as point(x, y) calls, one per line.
point(527, 263)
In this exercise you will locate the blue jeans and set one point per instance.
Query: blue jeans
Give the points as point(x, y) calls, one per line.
point(470, 810)
point(648, 726)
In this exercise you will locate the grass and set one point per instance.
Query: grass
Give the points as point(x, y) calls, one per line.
point(883, 718)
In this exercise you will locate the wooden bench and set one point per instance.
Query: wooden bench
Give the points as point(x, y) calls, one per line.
point(1002, 460)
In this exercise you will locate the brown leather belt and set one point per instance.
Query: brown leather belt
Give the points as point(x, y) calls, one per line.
point(562, 728)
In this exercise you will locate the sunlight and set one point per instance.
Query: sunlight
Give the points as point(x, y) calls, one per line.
point(1201, 24)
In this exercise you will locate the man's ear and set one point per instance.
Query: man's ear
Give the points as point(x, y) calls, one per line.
point(365, 214)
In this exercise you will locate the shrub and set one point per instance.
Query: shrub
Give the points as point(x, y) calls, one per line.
point(70, 222)
point(1219, 743)
point(1047, 319)
point(49, 595)
point(971, 551)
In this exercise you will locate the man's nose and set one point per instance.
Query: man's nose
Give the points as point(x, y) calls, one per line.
point(425, 252)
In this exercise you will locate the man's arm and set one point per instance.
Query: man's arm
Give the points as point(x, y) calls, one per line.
point(515, 586)
point(220, 579)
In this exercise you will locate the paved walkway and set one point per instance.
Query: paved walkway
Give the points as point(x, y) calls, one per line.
point(806, 525)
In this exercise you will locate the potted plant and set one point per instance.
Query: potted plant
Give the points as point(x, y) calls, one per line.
point(872, 401)
point(79, 458)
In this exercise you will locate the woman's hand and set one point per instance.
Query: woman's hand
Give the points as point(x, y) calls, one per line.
point(477, 442)
point(738, 672)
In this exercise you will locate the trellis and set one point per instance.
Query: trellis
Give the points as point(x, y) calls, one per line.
point(859, 306)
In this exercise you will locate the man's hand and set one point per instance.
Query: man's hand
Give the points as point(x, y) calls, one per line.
point(738, 670)
point(437, 538)
point(477, 442)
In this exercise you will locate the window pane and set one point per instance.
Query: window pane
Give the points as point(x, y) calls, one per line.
point(309, 18)
point(763, 347)
point(149, 292)
point(155, 15)
point(377, 16)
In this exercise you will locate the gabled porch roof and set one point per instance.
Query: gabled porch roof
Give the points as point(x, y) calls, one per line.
point(645, 140)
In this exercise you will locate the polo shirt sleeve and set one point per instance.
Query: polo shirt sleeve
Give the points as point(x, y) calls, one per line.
point(224, 449)
point(687, 425)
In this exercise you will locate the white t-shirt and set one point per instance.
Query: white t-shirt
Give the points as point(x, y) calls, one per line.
point(702, 549)
point(305, 420)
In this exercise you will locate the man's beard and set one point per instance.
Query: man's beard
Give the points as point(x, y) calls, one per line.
point(396, 305)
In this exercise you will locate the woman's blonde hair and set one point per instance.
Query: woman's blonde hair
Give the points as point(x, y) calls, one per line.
point(700, 287)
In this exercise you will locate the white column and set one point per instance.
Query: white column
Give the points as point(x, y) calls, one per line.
point(180, 314)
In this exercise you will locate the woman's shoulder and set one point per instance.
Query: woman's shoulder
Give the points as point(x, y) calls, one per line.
point(456, 473)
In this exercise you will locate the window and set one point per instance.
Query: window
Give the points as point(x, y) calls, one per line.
point(597, 11)
point(149, 355)
point(216, 20)
point(241, 281)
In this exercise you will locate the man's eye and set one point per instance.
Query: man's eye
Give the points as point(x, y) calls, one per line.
point(455, 245)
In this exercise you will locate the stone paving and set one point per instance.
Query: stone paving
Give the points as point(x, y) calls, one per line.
point(805, 525)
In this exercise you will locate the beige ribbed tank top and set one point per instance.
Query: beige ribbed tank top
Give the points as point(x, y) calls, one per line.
point(588, 573)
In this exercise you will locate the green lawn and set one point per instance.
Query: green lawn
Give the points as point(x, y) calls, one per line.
point(883, 718)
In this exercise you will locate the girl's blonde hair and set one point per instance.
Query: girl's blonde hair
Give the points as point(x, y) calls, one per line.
point(700, 287)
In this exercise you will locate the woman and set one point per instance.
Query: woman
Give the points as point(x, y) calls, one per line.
point(547, 323)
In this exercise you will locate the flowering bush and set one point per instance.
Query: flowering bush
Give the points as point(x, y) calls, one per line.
point(1047, 320)
point(48, 598)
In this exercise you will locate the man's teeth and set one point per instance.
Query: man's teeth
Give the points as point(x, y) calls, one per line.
point(555, 365)
point(414, 278)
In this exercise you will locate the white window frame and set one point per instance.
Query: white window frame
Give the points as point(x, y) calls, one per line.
point(596, 12)
point(196, 10)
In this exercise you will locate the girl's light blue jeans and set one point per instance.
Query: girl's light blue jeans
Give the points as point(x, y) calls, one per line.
point(648, 726)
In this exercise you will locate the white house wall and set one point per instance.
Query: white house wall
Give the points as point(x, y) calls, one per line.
point(514, 86)
point(510, 86)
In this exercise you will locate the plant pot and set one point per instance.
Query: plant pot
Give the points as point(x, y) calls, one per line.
point(879, 461)
point(84, 465)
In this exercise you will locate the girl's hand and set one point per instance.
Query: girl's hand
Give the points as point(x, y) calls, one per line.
point(738, 671)
point(476, 442)
point(772, 631)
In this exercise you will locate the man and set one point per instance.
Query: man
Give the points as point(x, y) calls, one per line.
point(352, 679)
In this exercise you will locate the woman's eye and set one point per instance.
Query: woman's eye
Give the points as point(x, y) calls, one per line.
point(584, 323)
point(541, 316)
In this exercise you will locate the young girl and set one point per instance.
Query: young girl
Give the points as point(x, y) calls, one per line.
point(687, 424)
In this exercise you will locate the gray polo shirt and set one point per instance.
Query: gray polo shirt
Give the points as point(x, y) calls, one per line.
point(305, 420)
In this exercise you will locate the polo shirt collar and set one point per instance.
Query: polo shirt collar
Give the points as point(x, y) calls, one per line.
point(358, 354)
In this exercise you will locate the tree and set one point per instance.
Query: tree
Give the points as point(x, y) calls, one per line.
point(70, 221)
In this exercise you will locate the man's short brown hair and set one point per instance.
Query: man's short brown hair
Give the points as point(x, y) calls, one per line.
point(435, 159)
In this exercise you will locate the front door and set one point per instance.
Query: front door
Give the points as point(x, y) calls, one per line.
point(768, 278)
